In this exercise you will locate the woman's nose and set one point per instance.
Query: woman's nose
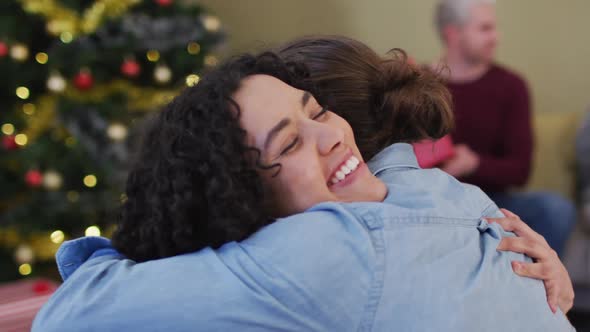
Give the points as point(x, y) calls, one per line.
point(330, 137)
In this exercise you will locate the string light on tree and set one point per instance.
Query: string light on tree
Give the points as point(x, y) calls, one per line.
point(33, 178)
point(8, 129)
point(52, 180)
point(84, 80)
point(162, 74)
point(21, 139)
point(56, 83)
point(90, 180)
point(211, 23)
point(24, 254)
point(19, 52)
point(117, 132)
point(192, 80)
point(66, 37)
point(57, 237)
point(92, 231)
point(23, 92)
point(25, 269)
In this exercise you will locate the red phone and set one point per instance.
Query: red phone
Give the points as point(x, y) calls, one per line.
point(431, 153)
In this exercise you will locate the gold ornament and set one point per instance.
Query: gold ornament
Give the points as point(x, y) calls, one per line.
point(45, 117)
point(42, 58)
point(139, 99)
point(56, 83)
point(153, 55)
point(193, 48)
point(29, 108)
point(24, 254)
point(63, 19)
point(117, 132)
point(19, 52)
point(211, 60)
point(162, 74)
point(52, 180)
point(73, 196)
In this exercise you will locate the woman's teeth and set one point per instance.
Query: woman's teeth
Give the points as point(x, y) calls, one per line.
point(348, 167)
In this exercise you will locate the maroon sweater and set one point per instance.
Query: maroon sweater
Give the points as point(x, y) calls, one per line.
point(493, 118)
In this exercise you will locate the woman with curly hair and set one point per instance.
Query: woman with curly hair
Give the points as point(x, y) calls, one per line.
point(294, 230)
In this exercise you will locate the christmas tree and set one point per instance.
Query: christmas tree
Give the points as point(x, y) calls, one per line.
point(77, 76)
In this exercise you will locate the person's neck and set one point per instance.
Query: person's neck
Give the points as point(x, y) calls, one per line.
point(461, 70)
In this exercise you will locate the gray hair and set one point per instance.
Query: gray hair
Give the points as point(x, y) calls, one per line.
point(454, 12)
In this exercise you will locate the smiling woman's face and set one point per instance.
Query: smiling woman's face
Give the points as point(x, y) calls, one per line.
point(319, 158)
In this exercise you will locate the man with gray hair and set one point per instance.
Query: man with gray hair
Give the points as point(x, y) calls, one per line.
point(493, 135)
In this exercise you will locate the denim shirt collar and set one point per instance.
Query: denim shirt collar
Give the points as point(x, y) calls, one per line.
point(72, 254)
point(395, 156)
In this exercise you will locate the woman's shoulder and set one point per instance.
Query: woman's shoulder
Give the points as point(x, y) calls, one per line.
point(327, 219)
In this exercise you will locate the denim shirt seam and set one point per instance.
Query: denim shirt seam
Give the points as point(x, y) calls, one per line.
point(491, 207)
point(393, 168)
point(376, 289)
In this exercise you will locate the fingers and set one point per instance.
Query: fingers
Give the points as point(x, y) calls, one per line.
point(541, 271)
point(509, 213)
point(558, 285)
point(552, 295)
point(512, 223)
point(529, 247)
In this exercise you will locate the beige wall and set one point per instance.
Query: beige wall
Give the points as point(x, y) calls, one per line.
point(546, 40)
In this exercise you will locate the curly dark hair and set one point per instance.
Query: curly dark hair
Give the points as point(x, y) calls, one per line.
point(194, 184)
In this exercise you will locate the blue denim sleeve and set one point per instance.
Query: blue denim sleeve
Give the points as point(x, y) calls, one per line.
point(306, 272)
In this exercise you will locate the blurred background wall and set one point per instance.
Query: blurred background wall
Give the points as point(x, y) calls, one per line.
point(545, 40)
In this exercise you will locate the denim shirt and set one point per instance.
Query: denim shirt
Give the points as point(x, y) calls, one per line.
point(422, 260)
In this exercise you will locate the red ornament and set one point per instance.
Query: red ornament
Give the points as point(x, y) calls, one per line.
point(164, 3)
point(3, 49)
point(9, 143)
point(42, 287)
point(84, 80)
point(33, 178)
point(130, 68)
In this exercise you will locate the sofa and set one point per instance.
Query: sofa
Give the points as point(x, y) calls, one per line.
point(555, 169)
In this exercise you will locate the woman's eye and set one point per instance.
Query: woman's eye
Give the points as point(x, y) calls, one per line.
point(290, 146)
point(320, 114)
